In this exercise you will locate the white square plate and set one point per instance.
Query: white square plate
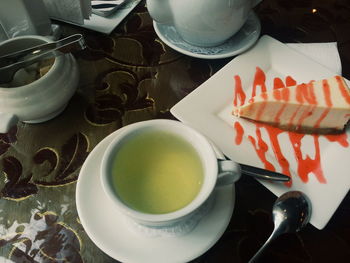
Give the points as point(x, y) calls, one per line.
point(208, 109)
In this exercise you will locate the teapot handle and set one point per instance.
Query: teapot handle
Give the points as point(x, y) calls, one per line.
point(7, 120)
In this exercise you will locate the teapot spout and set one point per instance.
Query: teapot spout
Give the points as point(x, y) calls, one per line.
point(160, 11)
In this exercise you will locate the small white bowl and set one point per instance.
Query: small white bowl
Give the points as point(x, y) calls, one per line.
point(42, 99)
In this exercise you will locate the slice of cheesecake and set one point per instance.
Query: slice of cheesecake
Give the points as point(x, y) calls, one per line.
point(319, 106)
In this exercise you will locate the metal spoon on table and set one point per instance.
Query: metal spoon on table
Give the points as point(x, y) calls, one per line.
point(263, 173)
point(290, 213)
point(12, 62)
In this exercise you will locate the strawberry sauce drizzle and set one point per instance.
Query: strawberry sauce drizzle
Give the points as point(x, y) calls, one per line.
point(262, 108)
point(290, 122)
point(259, 80)
point(261, 148)
point(278, 86)
point(239, 133)
point(342, 139)
point(239, 93)
point(343, 89)
point(278, 83)
point(327, 97)
point(290, 81)
point(307, 165)
point(327, 93)
point(304, 166)
point(273, 133)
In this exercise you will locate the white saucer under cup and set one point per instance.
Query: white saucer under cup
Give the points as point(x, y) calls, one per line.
point(110, 231)
point(238, 43)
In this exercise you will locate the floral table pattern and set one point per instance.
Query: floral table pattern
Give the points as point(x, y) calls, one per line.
point(130, 76)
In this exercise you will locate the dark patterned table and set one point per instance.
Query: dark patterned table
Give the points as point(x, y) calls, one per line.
point(130, 76)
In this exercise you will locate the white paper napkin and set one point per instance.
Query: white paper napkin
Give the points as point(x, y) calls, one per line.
point(86, 8)
point(325, 54)
point(66, 10)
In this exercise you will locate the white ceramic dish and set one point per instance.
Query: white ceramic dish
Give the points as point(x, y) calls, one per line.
point(45, 97)
point(203, 23)
point(208, 109)
point(237, 44)
point(110, 231)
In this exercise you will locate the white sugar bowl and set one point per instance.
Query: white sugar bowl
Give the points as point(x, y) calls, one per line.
point(39, 92)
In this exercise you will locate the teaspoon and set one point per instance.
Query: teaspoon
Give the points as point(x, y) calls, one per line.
point(290, 213)
point(254, 171)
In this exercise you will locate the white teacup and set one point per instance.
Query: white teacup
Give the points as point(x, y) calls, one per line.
point(41, 99)
point(124, 151)
point(203, 23)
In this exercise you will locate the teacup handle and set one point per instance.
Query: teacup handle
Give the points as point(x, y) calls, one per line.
point(229, 172)
point(7, 120)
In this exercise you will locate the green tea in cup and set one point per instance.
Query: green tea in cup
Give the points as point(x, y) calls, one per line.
point(157, 172)
point(160, 172)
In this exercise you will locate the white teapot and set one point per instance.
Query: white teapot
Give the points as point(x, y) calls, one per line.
point(202, 22)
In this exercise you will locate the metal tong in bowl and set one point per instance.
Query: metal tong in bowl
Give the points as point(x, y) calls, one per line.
point(11, 63)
